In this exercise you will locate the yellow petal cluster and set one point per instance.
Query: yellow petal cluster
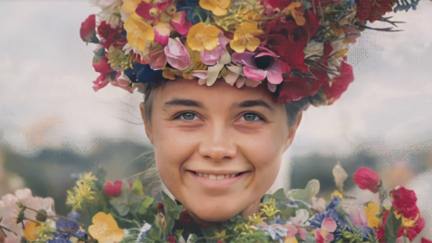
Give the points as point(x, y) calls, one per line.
point(217, 7)
point(203, 36)
point(129, 6)
point(140, 34)
point(105, 228)
point(82, 192)
point(245, 37)
point(372, 210)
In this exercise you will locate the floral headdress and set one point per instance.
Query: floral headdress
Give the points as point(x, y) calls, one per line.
point(297, 48)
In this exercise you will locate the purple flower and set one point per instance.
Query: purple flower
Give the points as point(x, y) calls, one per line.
point(260, 65)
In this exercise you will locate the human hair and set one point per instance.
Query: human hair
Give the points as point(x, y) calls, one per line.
point(293, 109)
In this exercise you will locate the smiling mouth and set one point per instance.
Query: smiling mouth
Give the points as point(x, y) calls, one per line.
point(217, 176)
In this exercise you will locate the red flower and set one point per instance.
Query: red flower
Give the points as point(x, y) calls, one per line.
point(412, 232)
point(289, 40)
point(404, 202)
point(372, 10)
point(171, 239)
point(296, 88)
point(111, 36)
point(101, 65)
point(368, 179)
point(339, 84)
point(88, 30)
point(113, 189)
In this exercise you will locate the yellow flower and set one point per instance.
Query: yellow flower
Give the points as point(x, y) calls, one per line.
point(372, 210)
point(269, 208)
point(140, 34)
point(256, 219)
point(104, 228)
point(129, 6)
point(218, 7)
point(82, 191)
point(245, 37)
point(31, 230)
point(203, 37)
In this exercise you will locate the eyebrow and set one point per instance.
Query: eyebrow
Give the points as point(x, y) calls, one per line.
point(183, 102)
point(252, 103)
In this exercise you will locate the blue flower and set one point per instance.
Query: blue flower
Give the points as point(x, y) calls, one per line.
point(142, 73)
point(276, 231)
point(67, 228)
point(193, 11)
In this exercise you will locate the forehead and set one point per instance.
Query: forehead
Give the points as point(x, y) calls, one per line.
point(220, 92)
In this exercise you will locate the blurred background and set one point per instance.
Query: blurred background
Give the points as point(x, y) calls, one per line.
point(54, 126)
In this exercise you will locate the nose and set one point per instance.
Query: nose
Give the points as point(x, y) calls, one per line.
point(217, 144)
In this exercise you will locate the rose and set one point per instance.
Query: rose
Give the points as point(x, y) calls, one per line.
point(368, 179)
point(111, 36)
point(404, 202)
point(88, 30)
point(113, 189)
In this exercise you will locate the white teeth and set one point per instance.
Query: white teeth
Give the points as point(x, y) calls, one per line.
point(215, 177)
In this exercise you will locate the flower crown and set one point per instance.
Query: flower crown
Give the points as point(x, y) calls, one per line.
point(297, 48)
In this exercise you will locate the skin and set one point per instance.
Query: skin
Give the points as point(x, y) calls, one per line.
point(198, 129)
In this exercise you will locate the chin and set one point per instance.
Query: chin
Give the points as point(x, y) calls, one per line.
point(213, 213)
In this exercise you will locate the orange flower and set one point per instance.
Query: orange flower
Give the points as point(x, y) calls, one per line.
point(105, 228)
point(217, 7)
point(245, 37)
point(203, 37)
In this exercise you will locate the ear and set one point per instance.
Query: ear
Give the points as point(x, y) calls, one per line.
point(147, 124)
point(292, 130)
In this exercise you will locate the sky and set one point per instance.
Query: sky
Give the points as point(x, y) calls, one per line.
point(46, 97)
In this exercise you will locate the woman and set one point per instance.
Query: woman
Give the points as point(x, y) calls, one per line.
point(218, 149)
point(225, 85)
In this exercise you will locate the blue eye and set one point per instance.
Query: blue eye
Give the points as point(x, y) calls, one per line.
point(249, 116)
point(186, 116)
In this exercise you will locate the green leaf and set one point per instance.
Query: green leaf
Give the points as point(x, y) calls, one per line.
point(148, 201)
point(137, 187)
point(391, 227)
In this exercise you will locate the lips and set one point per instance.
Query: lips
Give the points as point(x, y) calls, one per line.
point(218, 181)
point(216, 175)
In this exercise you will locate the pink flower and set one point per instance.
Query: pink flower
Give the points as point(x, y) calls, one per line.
point(368, 179)
point(88, 29)
point(261, 65)
point(180, 23)
point(151, 11)
point(177, 54)
point(325, 233)
point(113, 189)
point(213, 56)
point(162, 32)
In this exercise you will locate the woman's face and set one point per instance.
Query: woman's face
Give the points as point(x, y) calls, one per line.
point(218, 149)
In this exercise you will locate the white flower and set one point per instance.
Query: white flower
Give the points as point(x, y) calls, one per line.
point(9, 211)
point(143, 231)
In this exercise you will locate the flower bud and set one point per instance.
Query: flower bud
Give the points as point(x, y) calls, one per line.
point(366, 178)
point(113, 189)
